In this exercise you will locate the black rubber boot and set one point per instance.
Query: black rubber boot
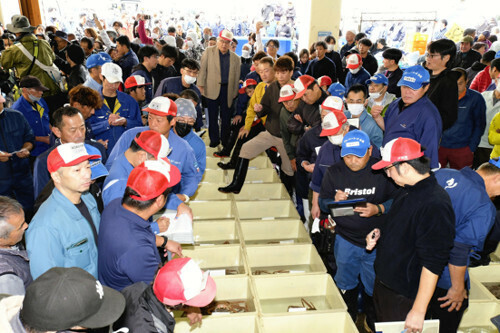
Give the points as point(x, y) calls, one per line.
point(234, 157)
point(226, 151)
point(288, 181)
point(351, 300)
point(240, 173)
point(369, 309)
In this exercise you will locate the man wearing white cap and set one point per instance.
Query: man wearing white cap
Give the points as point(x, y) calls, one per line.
point(218, 81)
point(63, 233)
point(119, 111)
point(357, 73)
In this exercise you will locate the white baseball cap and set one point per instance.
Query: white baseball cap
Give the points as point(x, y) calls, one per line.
point(333, 103)
point(112, 72)
point(162, 106)
point(286, 93)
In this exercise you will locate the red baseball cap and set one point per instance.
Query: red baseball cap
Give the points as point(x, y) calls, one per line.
point(152, 178)
point(354, 60)
point(247, 83)
point(324, 80)
point(226, 35)
point(333, 103)
point(398, 150)
point(332, 123)
point(182, 281)
point(154, 143)
point(301, 85)
point(286, 93)
point(162, 106)
point(68, 154)
point(135, 81)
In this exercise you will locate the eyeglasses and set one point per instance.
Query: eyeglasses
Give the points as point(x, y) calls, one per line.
point(432, 56)
point(386, 169)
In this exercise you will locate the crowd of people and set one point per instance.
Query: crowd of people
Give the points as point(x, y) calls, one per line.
point(398, 168)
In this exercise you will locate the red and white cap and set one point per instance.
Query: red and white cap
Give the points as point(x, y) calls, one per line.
point(247, 83)
point(398, 150)
point(354, 61)
point(226, 35)
point(324, 80)
point(135, 81)
point(301, 84)
point(333, 103)
point(112, 72)
point(154, 143)
point(286, 93)
point(68, 154)
point(332, 123)
point(151, 178)
point(182, 281)
point(162, 106)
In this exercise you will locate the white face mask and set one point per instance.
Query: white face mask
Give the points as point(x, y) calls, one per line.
point(330, 47)
point(336, 140)
point(355, 109)
point(355, 71)
point(154, 36)
point(189, 44)
point(245, 54)
point(189, 79)
point(497, 82)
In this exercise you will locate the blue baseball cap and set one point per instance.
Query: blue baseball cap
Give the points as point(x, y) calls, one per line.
point(98, 59)
point(497, 55)
point(96, 166)
point(378, 79)
point(495, 162)
point(337, 89)
point(415, 77)
point(356, 143)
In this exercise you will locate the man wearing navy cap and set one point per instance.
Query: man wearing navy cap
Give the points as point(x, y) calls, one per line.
point(353, 178)
point(413, 115)
point(94, 64)
point(379, 98)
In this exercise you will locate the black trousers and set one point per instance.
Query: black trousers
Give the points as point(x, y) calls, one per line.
point(448, 321)
point(389, 305)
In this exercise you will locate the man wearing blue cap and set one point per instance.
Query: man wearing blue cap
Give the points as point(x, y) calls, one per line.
point(353, 178)
point(94, 64)
point(413, 115)
point(337, 89)
point(379, 98)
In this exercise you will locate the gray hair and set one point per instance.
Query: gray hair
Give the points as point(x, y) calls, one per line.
point(8, 207)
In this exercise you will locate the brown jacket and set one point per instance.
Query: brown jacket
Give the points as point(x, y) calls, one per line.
point(209, 77)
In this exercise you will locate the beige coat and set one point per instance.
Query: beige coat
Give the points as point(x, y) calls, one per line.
point(209, 77)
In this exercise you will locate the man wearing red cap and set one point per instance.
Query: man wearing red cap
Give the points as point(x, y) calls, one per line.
point(420, 228)
point(218, 81)
point(135, 86)
point(127, 246)
point(179, 283)
point(63, 233)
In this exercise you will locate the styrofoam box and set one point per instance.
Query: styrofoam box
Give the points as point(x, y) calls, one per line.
point(311, 321)
point(212, 162)
point(212, 210)
point(495, 256)
point(272, 209)
point(484, 274)
point(479, 314)
point(260, 162)
point(215, 232)
point(296, 286)
point(302, 258)
point(241, 323)
point(430, 326)
point(283, 231)
point(214, 176)
point(478, 292)
point(218, 258)
point(209, 191)
point(262, 192)
point(257, 176)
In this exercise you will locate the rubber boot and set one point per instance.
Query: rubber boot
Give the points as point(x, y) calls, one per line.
point(307, 213)
point(288, 181)
point(351, 300)
point(369, 310)
point(240, 173)
point(226, 151)
point(234, 157)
